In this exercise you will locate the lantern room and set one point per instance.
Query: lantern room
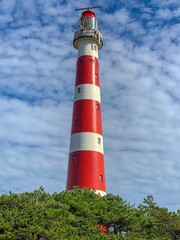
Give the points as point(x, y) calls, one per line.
point(88, 20)
point(88, 30)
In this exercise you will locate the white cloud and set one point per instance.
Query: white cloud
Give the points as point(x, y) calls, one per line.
point(4, 19)
point(165, 14)
point(33, 145)
point(7, 6)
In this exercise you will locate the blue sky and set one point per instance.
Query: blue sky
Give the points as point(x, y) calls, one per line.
point(140, 88)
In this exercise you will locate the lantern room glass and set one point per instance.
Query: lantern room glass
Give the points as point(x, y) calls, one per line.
point(88, 23)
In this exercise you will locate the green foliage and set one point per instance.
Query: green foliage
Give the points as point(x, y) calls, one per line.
point(80, 214)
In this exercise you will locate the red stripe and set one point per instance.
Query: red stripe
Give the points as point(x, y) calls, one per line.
point(86, 117)
point(86, 170)
point(87, 70)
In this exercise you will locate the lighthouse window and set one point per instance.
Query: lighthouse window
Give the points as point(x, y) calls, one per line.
point(96, 76)
point(99, 140)
point(94, 47)
point(97, 62)
point(76, 121)
point(97, 106)
point(78, 90)
point(100, 178)
point(74, 157)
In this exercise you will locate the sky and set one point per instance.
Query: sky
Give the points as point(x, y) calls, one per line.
point(140, 91)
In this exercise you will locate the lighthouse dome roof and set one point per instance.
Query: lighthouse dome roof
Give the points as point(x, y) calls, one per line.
point(88, 13)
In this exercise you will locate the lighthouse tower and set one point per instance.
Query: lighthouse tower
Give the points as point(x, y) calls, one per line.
point(86, 154)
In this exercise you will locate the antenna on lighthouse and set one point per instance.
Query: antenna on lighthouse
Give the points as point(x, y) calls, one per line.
point(88, 8)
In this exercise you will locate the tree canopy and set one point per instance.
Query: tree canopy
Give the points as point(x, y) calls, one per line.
point(82, 214)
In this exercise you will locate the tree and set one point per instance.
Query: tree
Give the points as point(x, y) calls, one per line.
point(80, 214)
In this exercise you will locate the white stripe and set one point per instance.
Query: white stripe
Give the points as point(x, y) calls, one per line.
point(86, 141)
point(87, 47)
point(102, 193)
point(87, 91)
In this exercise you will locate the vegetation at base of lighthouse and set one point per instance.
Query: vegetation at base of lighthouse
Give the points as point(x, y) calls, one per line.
point(78, 214)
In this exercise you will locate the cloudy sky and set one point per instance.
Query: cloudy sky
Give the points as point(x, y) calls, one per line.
point(140, 89)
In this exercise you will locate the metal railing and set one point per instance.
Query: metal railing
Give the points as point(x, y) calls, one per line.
point(88, 33)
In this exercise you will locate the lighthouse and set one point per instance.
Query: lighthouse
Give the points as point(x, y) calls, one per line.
point(86, 152)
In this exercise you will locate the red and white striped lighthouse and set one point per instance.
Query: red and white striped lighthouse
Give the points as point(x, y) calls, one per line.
point(86, 154)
